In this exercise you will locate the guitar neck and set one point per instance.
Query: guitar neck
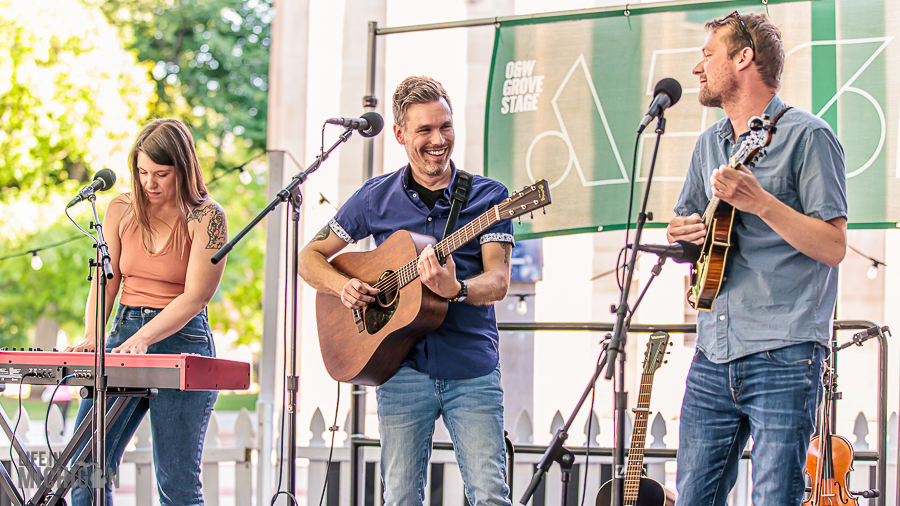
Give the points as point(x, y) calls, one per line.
point(634, 471)
point(409, 272)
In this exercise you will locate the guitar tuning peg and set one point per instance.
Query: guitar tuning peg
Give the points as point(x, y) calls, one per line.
point(665, 361)
point(532, 215)
point(544, 209)
point(520, 220)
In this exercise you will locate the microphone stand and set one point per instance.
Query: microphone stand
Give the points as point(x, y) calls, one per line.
point(612, 350)
point(620, 329)
point(104, 271)
point(290, 193)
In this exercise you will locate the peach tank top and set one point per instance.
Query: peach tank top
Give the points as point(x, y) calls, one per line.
point(151, 280)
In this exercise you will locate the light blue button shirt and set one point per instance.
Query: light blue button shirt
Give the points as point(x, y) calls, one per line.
point(773, 295)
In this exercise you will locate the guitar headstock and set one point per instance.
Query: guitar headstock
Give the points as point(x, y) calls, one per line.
point(530, 198)
point(754, 146)
point(656, 350)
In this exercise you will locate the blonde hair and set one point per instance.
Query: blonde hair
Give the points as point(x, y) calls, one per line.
point(167, 142)
point(416, 90)
point(769, 53)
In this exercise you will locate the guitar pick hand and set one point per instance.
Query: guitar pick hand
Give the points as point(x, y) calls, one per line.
point(686, 228)
point(440, 279)
point(357, 294)
point(740, 188)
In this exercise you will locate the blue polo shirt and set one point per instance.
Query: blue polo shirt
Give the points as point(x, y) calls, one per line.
point(466, 344)
point(773, 295)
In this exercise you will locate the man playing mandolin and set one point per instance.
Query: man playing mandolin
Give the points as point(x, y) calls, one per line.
point(454, 371)
point(761, 345)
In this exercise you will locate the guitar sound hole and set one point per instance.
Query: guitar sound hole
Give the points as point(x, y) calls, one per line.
point(388, 295)
point(378, 315)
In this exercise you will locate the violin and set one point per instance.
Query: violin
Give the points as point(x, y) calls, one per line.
point(829, 459)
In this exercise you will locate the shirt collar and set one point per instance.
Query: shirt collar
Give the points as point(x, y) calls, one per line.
point(774, 107)
point(406, 173)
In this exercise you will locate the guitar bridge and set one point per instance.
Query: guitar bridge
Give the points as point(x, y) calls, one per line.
point(359, 320)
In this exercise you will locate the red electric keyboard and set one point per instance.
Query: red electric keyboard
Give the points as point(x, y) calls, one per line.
point(181, 372)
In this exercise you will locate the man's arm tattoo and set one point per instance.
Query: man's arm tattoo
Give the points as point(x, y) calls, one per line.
point(507, 247)
point(323, 234)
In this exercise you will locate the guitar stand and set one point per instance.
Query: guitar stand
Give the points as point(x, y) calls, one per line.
point(45, 494)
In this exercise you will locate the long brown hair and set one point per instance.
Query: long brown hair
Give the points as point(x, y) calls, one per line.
point(167, 142)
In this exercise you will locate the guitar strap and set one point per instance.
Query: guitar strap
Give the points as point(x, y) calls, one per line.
point(778, 117)
point(459, 198)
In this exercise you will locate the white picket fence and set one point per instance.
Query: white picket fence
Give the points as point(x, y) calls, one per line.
point(445, 487)
point(239, 452)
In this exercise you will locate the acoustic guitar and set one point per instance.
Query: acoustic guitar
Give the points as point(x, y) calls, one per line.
point(366, 346)
point(638, 489)
point(708, 274)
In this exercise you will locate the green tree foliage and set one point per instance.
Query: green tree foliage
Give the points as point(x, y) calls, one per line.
point(77, 82)
point(210, 61)
point(70, 97)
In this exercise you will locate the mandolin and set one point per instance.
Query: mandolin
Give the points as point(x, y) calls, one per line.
point(708, 274)
point(638, 489)
point(366, 346)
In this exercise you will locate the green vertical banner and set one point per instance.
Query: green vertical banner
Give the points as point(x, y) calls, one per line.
point(567, 93)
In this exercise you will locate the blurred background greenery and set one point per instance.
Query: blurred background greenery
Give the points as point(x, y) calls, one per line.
point(78, 80)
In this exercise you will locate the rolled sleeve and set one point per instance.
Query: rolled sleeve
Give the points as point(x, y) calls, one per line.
point(502, 231)
point(350, 223)
point(822, 179)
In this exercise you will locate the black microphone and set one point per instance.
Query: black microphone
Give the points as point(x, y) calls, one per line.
point(104, 179)
point(666, 94)
point(681, 252)
point(369, 125)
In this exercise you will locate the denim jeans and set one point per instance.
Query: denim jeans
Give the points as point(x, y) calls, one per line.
point(771, 396)
point(408, 405)
point(178, 419)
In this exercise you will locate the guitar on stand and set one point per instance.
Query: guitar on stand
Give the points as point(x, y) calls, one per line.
point(366, 346)
point(708, 274)
point(640, 490)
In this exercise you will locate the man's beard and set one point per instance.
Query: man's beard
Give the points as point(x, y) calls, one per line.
point(708, 98)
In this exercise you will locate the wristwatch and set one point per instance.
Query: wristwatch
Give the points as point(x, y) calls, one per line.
point(463, 292)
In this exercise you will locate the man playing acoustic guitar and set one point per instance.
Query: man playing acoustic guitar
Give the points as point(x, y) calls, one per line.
point(453, 372)
point(761, 346)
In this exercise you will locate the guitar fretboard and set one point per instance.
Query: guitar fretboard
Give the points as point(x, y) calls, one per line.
point(409, 272)
point(634, 471)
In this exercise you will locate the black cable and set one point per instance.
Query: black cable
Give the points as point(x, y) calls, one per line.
point(631, 197)
point(47, 416)
point(284, 366)
point(47, 434)
point(15, 428)
point(334, 428)
point(284, 363)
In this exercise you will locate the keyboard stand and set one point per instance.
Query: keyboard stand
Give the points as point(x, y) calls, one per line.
point(45, 495)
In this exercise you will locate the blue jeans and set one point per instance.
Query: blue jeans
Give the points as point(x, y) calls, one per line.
point(408, 405)
point(771, 396)
point(178, 419)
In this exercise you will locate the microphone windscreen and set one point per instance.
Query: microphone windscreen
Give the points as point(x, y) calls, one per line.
point(691, 252)
point(670, 87)
point(376, 123)
point(107, 176)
